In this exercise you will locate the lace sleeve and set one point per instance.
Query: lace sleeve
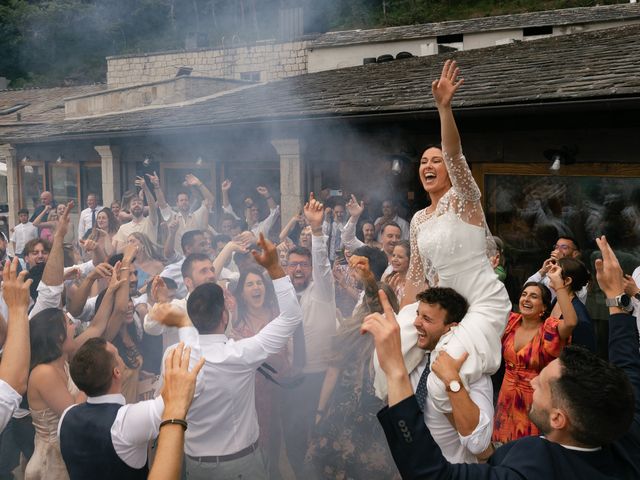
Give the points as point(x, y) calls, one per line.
point(416, 273)
point(461, 178)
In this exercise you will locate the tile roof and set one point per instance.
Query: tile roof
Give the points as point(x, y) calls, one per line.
point(596, 65)
point(567, 16)
point(44, 104)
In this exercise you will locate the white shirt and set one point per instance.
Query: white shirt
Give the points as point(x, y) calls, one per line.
point(402, 223)
point(536, 277)
point(196, 220)
point(22, 233)
point(318, 303)
point(144, 225)
point(457, 448)
point(169, 334)
point(9, 402)
point(634, 301)
point(222, 418)
point(174, 272)
point(135, 425)
point(349, 239)
point(261, 227)
point(85, 222)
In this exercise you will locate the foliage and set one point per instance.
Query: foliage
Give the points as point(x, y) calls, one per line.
point(54, 42)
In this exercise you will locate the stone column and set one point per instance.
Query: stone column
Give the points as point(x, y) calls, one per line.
point(8, 156)
point(291, 177)
point(110, 159)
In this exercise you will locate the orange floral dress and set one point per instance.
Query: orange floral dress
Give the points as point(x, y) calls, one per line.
point(516, 394)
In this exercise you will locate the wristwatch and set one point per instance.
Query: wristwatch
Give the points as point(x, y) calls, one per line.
point(454, 386)
point(622, 301)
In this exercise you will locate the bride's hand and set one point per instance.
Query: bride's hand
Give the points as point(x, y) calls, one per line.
point(446, 86)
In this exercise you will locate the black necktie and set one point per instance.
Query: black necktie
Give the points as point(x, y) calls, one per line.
point(299, 348)
point(421, 390)
point(93, 218)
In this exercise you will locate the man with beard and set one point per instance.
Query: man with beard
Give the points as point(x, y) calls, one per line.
point(139, 223)
point(310, 272)
point(587, 409)
point(187, 220)
point(197, 269)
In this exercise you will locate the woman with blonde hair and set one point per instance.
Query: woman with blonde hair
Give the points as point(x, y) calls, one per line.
point(148, 262)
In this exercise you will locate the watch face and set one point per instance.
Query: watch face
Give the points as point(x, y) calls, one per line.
point(625, 301)
point(454, 386)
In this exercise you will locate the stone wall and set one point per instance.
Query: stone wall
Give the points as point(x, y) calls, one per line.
point(272, 60)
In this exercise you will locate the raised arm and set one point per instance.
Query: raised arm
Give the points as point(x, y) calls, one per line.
point(16, 354)
point(322, 274)
point(151, 201)
point(78, 295)
point(288, 227)
point(569, 318)
point(160, 198)
point(208, 197)
point(460, 175)
point(169, 245)
point(37, 222)
point(225, 255)
point(226, 204)
point(349, 239)
point(264, 192)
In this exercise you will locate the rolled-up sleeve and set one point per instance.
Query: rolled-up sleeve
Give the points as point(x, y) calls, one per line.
point(481, 393)
point(9, 401)
point(49, 296)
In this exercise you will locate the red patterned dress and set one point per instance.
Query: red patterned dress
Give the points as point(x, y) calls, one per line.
point(516, 394)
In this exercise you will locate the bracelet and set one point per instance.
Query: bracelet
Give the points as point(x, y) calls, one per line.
point(175, 421)
point(125, 268)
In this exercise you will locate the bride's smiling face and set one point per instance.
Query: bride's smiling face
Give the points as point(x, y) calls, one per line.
point(433, 171)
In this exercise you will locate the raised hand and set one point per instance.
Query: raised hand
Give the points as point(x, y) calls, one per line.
point(446, 86)
point(354, 208)
point(245, 239)
point(118, 277)
point(173, 224)
point(129, 253)
point(361, 266)
point(89, 245)
point(268, 258)
point(15, 289)
point(159, 290)
point(139, 182)
point(386, 336)
point(263, 191)
point(192, 181)
point(102, 270)
point(314, 213)
point(630, 286)
point(154, 179)
point(170, 315)
point(226, 185)
point(608, 271)
point(555, 277)
point(63, 222)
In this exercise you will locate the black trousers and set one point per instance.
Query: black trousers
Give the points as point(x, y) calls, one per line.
point(17, 437)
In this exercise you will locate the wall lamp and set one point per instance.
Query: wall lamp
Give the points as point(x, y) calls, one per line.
point(559, 157)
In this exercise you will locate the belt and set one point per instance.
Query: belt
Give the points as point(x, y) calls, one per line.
point(227, 458)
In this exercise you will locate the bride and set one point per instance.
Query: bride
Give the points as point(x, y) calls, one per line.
point(450, 247)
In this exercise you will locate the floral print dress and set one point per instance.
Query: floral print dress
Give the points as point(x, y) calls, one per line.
point(516, 394)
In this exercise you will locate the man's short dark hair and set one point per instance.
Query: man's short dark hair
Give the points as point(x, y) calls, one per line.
point(302, 251)
point(115, 258)
point(187, 266)
point(390, 224)
point(571, 239)
point(596, 394)
point(92, 367)
point(576, 270)
point(169, 282)
point(188, 238)
point(23, 210)
point(377, 259)
point(205, 307)
point(451, 302)
point(220, 238)
point(35, 275)
point(183, 192)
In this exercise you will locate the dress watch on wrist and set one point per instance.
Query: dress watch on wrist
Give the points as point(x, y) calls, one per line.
point(454, 386)
point(622, 301)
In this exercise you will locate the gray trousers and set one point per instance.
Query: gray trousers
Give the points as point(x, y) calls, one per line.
point(249, 467)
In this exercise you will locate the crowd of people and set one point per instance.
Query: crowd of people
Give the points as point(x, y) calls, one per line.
point(349, 344)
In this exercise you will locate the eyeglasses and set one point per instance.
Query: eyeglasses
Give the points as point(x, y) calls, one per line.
point(562, 247)
point(299, 264)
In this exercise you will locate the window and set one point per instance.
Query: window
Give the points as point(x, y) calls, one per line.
point(537, 31)
point(64, 181)
point(250, 76)
point(31, 184)
point(450, 43)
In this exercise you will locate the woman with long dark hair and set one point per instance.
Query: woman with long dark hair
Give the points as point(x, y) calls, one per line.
point(50, 389)
point(257, 306)
point(531, 340)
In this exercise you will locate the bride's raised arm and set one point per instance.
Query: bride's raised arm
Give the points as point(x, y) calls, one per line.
point(443, 91)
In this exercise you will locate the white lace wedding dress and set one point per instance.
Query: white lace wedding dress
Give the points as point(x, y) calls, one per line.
point(450, 248)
